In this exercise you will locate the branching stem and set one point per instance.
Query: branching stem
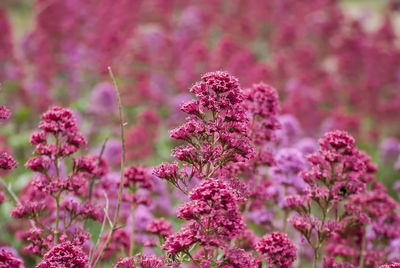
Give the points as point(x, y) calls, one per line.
point(121, 185)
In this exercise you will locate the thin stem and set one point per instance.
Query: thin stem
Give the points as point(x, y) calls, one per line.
point(93, 179)
point(132, 244)
point(121, 185)
point(315, 257)
point(57, 231)
point(91, 253)
point(98, 163)
point(191, 257)
point(285, 220)
point(363, 245)
point(58, 196)
point(56, 157)
point(15, 198)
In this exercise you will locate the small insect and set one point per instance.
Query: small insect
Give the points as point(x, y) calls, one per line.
point(342, 191)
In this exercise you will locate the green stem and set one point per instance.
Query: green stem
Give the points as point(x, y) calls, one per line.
point(315, 257)
point(123, 159)
point(92, 180)
point(285, 220)
point(15, 198)
point(57, 231)
point(132, 245)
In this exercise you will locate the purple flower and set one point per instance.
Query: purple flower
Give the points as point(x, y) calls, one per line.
point(103, 101)
point(307, 146)
point(389, 150)
point(289, 131)
point(288, 164)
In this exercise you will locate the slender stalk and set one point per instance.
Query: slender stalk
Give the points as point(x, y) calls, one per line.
point(92, 181)
point(132, 244)
point(193, 260)
point(98, 163)
point(315, 257)
point(58, 196)
point(15, 198)
point(121, 185)
point(92, 251)
point(363, 245)
point(285, 220)
point(57, 231)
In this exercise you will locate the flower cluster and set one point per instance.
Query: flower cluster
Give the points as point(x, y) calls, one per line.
point(337, 173)
point(7, 259)
point(4, 113)
point(277, 249)
point(213, 216)
point(216, 129)
point(54, 191)
point(140, 260)
point(7, 162)
point(64, 255)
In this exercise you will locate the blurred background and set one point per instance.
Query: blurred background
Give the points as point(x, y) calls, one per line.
point(335, 64)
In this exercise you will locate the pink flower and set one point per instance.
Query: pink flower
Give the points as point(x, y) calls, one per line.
point(140, 260)
point(4, 113)
point(160, 227)
point(180, 241)
point(38, 163)
point(262, 103)
point(8, 260)
point(237, 257)
point(392, 265)
point(277, 249)
point(137, 176)
point(64, 255)
point(7, 162)
point(167, 171)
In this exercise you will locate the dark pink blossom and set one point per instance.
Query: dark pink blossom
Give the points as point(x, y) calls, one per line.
point(64, 255)
point(8, 260)
point(4, 113)
point(237, 258)
point(7, 162)
point(277, 249)
point(160, 227)
point(392, 265)
point(137, 177)
point(140, 260)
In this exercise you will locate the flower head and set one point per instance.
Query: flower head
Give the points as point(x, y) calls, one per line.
point(65, 255)
point(277, 249)
point(8, 260)
point(7, 162)
point(4, 113)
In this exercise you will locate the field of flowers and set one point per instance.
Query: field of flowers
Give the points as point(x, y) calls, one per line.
point(199, 133)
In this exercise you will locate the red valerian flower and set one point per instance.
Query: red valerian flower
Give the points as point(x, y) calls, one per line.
point(160, 227)
point(392, 265)
point(4, 113)
point(65, 255)
point(277, 249)
point(8, 260)
point(140, 260)
point(7, 162)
